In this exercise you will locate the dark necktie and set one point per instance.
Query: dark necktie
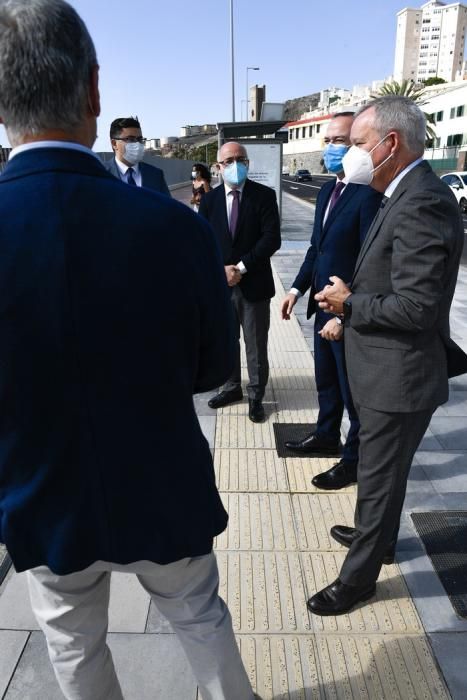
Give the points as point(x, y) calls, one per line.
point(336, 194)
point(130, 179)
point(234, 211)
point(384, 199)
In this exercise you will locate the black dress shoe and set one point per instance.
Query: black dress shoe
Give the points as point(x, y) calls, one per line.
point(313, 444)
point(346, 535)
point(256, 410)
point(340, 475)
point(225, 397)
point(339, 598)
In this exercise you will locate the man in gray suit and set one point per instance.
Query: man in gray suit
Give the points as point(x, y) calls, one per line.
point(396, 323)
point(127, 143)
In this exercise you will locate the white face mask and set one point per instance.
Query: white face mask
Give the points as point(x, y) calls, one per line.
point(194, 174)
point(134, 152)
point(358, 164)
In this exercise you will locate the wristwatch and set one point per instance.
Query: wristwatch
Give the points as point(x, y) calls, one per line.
point(347, 309)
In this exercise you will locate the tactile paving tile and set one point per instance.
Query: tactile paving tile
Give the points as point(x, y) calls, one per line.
point(250, 470)
point(315, 514)
point(295, 401)
point(292, 379)
point(300, 472)
point(363, 667)
point(260, 521)
point(239, 431)
point(264, 591)
point(292, 360)
point(390, 611)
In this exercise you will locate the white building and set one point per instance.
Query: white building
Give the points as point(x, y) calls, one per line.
point(449, 109)
point(430, 41)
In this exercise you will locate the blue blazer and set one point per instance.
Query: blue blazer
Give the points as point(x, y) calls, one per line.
point(151, 177)
point(257, 237)
point(101, 452)
point(335, 246)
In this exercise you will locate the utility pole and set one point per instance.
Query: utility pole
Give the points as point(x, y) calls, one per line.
point(232, 58)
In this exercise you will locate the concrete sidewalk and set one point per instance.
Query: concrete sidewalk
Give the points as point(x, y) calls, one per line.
point(406, 643)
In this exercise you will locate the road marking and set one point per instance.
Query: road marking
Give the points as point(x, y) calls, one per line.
point(294, 188)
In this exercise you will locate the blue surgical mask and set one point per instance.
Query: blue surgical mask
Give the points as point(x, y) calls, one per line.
point(235, 174)
point(333, 154)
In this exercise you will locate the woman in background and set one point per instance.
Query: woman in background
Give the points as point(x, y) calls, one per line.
point(201, 183)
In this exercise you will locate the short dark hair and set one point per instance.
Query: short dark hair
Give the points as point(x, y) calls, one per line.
point(343, 114)
point(123, 123)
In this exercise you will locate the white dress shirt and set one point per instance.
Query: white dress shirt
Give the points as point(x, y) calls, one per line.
point(123, 170)
point(228, 203)
point(71, 145)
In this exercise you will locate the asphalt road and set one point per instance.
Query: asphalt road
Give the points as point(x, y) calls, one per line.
point(309, 191)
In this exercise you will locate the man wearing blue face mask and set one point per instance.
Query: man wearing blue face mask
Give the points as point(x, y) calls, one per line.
point(128, 145)
point(245, 219)
point(343, 215)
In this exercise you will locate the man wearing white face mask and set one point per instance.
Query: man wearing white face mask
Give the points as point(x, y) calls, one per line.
point(128, 145)
point(245, 219)
point(398, 349)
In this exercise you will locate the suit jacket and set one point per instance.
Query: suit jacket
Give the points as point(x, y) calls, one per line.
point(96, 383)
point(335, 246)
point(397, 339)
point(256, 239)
point(151, 177)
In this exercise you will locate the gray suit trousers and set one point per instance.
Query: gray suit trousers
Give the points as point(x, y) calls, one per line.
point(388, 442)
point(253, 317)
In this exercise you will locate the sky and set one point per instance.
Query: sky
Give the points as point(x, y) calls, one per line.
point(168, 62)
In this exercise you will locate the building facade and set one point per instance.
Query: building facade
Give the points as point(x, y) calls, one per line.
point(430, 42)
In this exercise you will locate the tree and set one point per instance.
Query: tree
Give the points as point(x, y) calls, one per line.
point(407, 88)
point(433, 81)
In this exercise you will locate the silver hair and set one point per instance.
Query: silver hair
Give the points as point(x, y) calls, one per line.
point(46, 60)
point(238, 144)
point(401, 114)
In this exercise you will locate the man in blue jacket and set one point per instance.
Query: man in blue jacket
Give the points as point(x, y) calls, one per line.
point(89, 478)
point(343, 216)
point(127, 164)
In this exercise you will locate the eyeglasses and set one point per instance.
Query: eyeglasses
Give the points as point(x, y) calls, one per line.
point(237, 159)
point(130, 139)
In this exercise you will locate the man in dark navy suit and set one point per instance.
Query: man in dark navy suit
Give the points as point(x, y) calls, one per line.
point(90, 482)
point(342, 218)
point(128, 145)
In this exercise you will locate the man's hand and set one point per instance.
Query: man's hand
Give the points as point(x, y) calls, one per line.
point(287, 305)
point(332, 330)
point(233, 275)
point(332, 297)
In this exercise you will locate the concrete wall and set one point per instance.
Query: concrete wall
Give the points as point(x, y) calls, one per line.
point(175, 170)
point(311, 161)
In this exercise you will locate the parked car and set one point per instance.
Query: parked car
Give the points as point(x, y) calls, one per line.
point(302, 175)
point(458, 184)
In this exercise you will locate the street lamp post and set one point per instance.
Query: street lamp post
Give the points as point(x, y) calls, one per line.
point(232, 58)
point(247, 92)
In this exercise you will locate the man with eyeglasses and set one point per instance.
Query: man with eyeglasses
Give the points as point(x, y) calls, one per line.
point(128, 147)
point(245, 218)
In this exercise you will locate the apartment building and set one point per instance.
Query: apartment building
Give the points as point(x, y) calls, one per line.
point(430, 41)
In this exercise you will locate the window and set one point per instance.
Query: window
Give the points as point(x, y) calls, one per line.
point(455, 140)
point(439, 116)
point(310, 131)
point(460, 111)
point(318, 128)
point(452, 113)
point(437, 142)
point(303, 132)
point(291, 134)
point(297, 133)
